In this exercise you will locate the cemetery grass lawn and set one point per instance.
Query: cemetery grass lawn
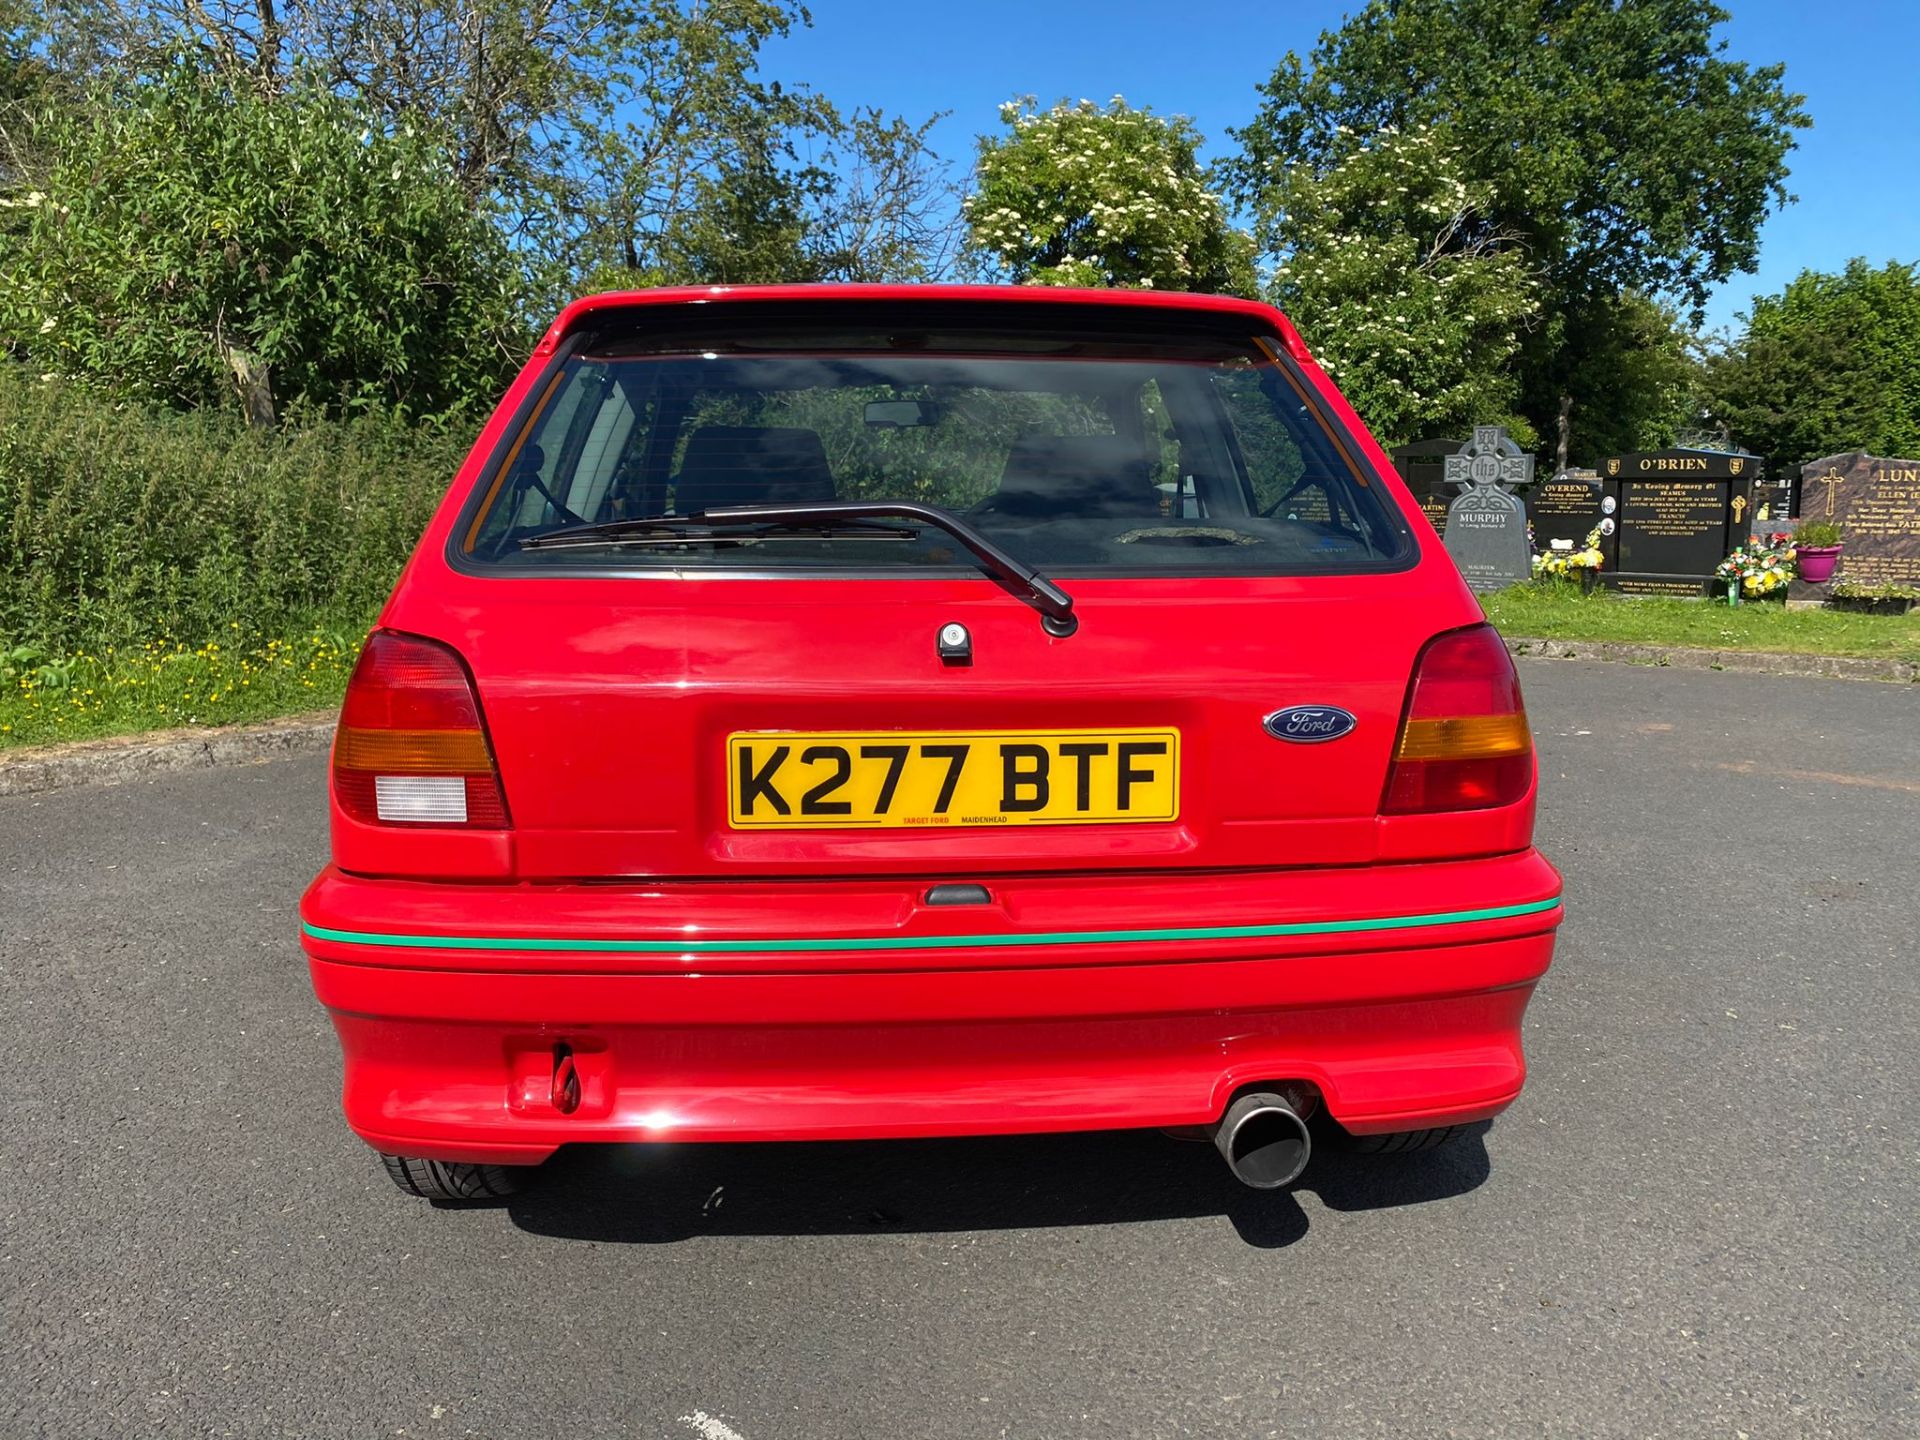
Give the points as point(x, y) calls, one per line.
point(1561, 612)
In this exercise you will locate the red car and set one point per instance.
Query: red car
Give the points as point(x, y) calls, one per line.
point(826, 713)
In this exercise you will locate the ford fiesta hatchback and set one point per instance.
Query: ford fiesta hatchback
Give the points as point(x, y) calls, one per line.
point(831, 713)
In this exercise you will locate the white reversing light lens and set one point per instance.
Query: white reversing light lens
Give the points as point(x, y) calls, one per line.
point(439, 799)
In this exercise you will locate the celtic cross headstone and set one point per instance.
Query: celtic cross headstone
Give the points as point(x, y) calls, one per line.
point(1486, 523)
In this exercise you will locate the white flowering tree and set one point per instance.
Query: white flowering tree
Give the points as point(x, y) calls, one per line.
point(1413, 301)
point(1083, 194)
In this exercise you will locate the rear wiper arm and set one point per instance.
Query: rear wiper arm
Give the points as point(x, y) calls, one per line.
point(1020, 579)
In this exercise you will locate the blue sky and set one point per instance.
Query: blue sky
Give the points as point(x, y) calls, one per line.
point(1857, 172)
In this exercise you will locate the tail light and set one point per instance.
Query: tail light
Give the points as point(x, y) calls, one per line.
point(411, 749)
point(1464, 742)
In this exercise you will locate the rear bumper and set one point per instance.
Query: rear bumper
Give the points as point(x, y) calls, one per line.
point(851, 1011)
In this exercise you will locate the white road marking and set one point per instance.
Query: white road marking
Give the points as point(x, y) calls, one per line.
point(708, 1428)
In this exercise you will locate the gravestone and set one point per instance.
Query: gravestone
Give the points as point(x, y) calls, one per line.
point(1567, 507)
point(1675, 515)
point(1876, 503)
point(1486, 524)
point(1423, 466)
point(1772, 505)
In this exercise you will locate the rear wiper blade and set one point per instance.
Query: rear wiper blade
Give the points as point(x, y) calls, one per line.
point(1017, 577)
point(697, 530)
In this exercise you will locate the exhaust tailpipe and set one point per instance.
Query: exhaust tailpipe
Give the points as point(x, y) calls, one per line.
point(1263, 1140)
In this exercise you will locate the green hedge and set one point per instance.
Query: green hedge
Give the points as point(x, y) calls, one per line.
point(121, 526)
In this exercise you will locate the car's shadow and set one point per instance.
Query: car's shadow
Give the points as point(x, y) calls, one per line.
point(656, 1194)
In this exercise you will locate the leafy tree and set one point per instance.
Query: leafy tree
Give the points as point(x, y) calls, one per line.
point(889, 213)
point(192, 241)
point(1621, 148)
point(748, 220)
point(526, 90)
point(1081, 195)
point(628, 138)
point(1638, 378)
point(1408, 296)
point(875, 206)
point(1831, 363)
point(29, 87)
point(385, 184)
point(681, 116)
point(19, 67)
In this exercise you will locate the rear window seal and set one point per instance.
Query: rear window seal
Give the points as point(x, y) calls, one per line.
point(582, 337)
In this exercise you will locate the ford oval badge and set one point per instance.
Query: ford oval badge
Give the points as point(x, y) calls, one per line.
point(1309, 724)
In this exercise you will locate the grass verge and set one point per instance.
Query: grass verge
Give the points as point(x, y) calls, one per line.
point(164, 683)
point(1561, 612)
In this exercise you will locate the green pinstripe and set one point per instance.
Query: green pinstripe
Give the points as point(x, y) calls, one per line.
point(928, 942)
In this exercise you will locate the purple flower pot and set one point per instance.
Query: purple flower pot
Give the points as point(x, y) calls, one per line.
point(1817, 562)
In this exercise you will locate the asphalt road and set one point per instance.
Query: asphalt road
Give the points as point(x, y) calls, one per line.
point(1702, 1219)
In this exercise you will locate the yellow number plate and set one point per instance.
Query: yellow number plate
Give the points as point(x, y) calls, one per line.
point(873, 780)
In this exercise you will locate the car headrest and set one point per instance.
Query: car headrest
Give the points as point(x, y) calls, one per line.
point(751, 465)
point(1048, 476)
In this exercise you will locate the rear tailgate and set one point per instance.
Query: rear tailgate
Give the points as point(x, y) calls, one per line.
point(611, 705)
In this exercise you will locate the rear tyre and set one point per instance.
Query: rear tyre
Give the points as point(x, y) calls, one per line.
point(450, 1180)
point(1404, 1142)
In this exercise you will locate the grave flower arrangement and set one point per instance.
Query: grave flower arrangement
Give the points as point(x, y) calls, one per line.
point(1567, 564)
point(1755, 570)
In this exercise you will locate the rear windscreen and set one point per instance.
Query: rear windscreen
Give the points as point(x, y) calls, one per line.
point(1082, 450)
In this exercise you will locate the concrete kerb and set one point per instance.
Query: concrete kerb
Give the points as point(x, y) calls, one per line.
point(134, 757)
point(1753, 662)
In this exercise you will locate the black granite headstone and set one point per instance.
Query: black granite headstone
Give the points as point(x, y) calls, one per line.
point(1676, 515)
point(1876, 503)
point(1486, 530)
point(1567, 507)
point(1424, 468)
point(1773, 506)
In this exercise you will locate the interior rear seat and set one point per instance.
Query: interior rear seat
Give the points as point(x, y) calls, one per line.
point(1050, 476)
point(751, 465)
